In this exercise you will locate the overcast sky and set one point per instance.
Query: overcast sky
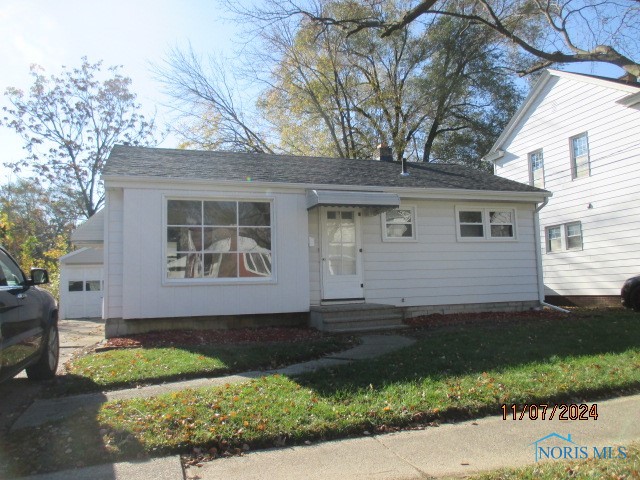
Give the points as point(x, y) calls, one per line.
point(131, 33)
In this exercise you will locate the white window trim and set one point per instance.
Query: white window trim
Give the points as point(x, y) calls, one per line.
point(189, 282)
point(531, 179)
point(414, 225)
point(574, 165)
point(486, 225)
point(564, 238)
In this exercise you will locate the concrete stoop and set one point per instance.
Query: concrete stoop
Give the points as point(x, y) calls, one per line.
point(356, 317)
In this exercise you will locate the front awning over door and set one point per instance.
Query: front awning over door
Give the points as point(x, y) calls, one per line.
point(372, 203)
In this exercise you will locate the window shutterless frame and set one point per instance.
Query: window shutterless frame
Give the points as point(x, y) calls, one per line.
point(580, 162)
point(219, 239)
point(564, 237)
point(536, 168)
point(400, 224)
point(573, 236)
point(492, 224)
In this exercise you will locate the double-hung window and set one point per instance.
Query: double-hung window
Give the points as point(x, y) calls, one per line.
point(399, 224)
point(580, 156)
point(564, 237)
point(574, 236)
point(536, 166)
point(486, 223)
point(218, 239)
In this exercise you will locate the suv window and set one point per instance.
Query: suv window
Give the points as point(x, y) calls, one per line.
point(10, 273)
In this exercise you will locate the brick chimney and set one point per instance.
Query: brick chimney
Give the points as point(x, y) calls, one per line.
point(383, 153)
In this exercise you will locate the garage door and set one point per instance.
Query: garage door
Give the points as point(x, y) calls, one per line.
point(81, 292)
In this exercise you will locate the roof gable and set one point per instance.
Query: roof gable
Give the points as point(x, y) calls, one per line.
point(91, 231)
point(164, 164)
point(632, 89)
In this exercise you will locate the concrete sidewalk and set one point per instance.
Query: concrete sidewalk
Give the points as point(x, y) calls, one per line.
point(47, 410)
point(451, 450)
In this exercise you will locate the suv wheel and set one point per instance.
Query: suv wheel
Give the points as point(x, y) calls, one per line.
point(45, 368)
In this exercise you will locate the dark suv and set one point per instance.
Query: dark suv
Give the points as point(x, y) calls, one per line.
point(630, 294)
point(28, 323)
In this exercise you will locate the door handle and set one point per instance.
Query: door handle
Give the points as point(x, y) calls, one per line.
point(21, 296)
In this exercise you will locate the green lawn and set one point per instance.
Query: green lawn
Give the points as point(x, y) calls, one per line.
point(614, 469)
point(135, 366)
point(448, 374)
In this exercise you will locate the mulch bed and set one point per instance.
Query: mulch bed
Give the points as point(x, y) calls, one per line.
point(439, 320)
point(213, 337)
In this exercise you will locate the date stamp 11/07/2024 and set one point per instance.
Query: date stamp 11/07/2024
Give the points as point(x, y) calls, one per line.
point(542, 411)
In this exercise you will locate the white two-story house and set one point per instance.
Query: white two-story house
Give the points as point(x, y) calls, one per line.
point(578, 136)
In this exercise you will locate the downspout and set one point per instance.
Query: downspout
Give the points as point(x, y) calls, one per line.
point(536, 228)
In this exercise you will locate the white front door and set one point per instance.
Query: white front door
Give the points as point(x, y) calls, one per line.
point(341, 253)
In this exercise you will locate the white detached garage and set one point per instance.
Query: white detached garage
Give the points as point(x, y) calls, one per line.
point(81, 271)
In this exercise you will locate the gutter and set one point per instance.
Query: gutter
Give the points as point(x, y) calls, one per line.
point(536, 228)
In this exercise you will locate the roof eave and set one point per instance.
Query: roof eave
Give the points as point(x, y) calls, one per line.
point(123, 181)
point(520, 113)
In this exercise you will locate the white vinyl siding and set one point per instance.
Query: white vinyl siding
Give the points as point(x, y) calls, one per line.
point(607, 202)
point(146, 294)
point(438, 270)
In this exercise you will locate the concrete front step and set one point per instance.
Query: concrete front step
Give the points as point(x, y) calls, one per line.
point(356, 317)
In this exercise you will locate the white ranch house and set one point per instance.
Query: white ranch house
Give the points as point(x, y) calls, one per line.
point(578, 136)
point(219, 239)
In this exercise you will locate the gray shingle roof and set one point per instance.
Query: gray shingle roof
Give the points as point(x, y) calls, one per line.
point(198, 165)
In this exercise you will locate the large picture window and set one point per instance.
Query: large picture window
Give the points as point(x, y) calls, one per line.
point(486, 223)
point(218, 239)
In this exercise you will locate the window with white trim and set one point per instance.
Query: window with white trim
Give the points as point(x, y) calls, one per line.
point(580, 156)
point(564, 237)
point(485, 223)
point(399, 224)
point(536, 169)
point(218, 239)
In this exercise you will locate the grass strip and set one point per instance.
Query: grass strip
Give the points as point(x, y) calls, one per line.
point(448, 374)
point(137, 366)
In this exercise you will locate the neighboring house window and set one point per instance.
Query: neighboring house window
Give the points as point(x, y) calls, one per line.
point(554, 239)
point(536, 163)
point(574, 236)
point(580, 156)
point(486, 223)
point(93, 285)
point(88, 286)
point(572, 239)
point(218, 239)
point(399, 224)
